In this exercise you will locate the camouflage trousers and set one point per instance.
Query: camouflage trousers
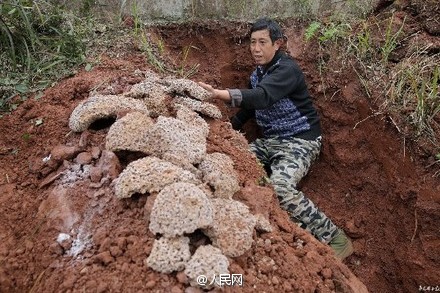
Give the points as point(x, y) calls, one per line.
point(287, 162)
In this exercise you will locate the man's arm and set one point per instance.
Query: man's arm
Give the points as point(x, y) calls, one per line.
point(232, 96)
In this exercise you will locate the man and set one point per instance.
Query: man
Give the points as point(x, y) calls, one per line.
point(279, 101)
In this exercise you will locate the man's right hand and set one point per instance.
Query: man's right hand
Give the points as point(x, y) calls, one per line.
point(216, 93)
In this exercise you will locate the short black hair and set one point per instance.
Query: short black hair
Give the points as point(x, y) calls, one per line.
point(272, 26)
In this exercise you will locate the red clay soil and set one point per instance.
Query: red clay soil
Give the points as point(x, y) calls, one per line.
point(370, 183)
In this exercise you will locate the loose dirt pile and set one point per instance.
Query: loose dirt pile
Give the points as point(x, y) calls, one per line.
point(62, 230)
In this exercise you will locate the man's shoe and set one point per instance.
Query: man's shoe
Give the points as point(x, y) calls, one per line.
point(342, 245)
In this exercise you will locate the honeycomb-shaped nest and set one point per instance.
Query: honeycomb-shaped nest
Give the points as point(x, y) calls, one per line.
point(128, 132)
point(200, 107)
point(176, 141)
point(180, 208)
point(186, 87)
point(169, 254)
point(100, 107)
point(192, 118)
point(153, 94)
point(150, 174)
point(207, 261)
point(232, 227)
point(218, 172)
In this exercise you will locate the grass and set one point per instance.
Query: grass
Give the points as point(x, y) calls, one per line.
point(183, 69)
point(327, 32)
point(154, 51)
point(391, 40)
point(414, 86)
point(329, 36)
point(409, 87)
point(404, 85)
point(40, 43)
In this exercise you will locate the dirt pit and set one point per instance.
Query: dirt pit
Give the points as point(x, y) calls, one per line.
point(367, 180)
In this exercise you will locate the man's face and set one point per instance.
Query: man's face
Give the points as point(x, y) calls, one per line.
point(262, 48)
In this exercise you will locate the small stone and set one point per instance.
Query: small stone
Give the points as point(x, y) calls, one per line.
point(105, 244)
point(63, 152)
point(95, 174)
point(182, 278)
point(98, 194)
point(84, 158)
point(176, 289)
point(29, 245)
point(109, 164)
point(329, 284)
point(96, 152)
point(83, 140)
point(122, 243)
point(102, 287)
point(267, 245)
point(150, 284)
point(287, 287)
point(104, 257)
point(55, 248)
point(66, 244)
point(327, 273)
point(84, 271)
point(115, 251)
point(91, 285)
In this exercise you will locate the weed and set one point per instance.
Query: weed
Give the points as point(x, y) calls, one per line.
point(312, 30)
point(183, 70)
point(414, 85)
point(86, 7)
point(26, 137)
point(39, 42)
point(154, 50)
point(304, 8)
point(363, 43)
point(333, 31)
point(326, 32)
point(328, 36)
point(391, 40)
point(161, 46)
point(137, 22)
point(150, 54)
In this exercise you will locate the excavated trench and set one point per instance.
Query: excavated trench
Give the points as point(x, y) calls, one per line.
point(363, 180)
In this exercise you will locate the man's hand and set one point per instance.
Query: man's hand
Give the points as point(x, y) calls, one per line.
point(216, 93)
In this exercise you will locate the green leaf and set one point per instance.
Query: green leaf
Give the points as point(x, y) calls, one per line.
point(88, 67)
point(22, 88)
point(6, 81)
